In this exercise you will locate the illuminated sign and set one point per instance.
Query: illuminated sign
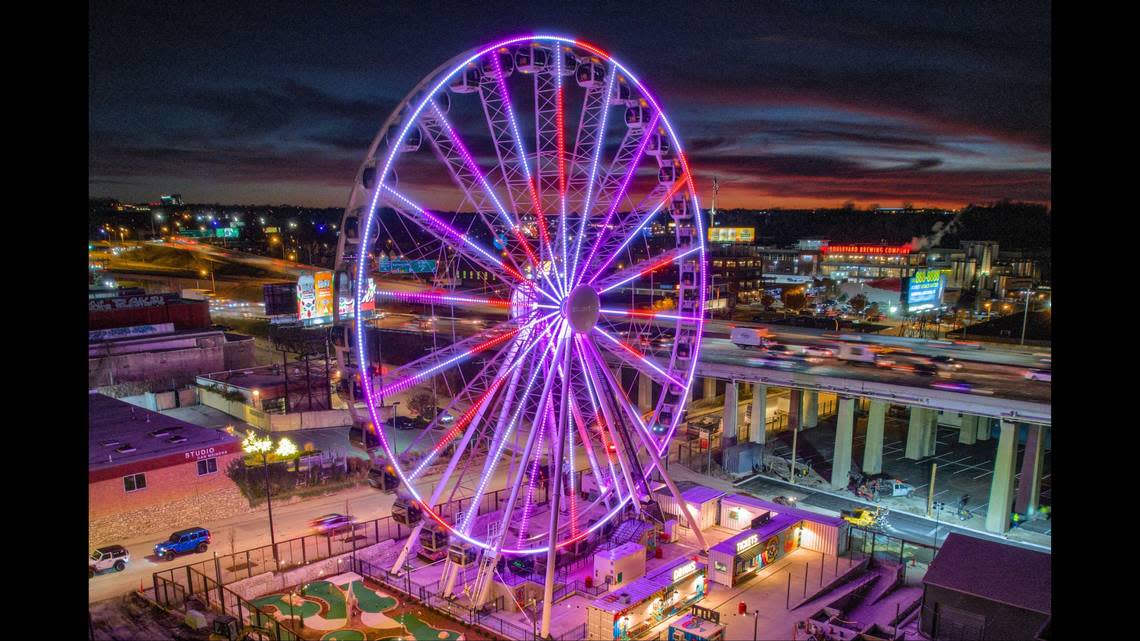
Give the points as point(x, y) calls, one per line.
point(924, 290)
point(406, 266)
point(344, 302)
point(272, 230)
point(306, 297)
point(751, 541)
point(323, 284)
point(732, 234)
point(684, 571)
point(865, 249)
point(227, 232)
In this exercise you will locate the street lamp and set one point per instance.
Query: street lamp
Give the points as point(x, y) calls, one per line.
point(257, 399)
point(213, 285)
point(264, 447)
point(1025, 316)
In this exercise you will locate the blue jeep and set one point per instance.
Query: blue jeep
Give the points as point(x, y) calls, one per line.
point(193, 539)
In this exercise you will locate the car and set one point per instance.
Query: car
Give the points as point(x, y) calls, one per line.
point(445, 418)
point(111, 557)
point(405, 423)
point(1039, 375)
point(195, 539)
point(331, 523)
point(945, 362)
point(820, 352)
point(784, 500)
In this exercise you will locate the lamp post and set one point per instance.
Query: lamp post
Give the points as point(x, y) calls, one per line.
point(285, 449)
point(755, 624)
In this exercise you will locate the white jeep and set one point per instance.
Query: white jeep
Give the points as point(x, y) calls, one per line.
point(106, 558)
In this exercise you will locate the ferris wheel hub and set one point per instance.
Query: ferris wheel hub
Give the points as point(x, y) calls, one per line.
point(581, 308)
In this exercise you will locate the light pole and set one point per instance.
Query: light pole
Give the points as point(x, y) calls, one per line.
point(285, 449)
point(1025, 317)
point(755, 624)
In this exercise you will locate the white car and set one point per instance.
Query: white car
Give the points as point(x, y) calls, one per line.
point(1039, 375)
point(113, 557)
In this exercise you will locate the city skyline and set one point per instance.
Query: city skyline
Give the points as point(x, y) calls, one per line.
point(872, 104)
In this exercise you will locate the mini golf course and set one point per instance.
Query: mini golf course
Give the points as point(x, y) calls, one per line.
point(323, 608)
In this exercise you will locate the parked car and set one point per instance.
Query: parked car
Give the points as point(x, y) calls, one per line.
point(784, 500)
point(110, 557)
point(331, 523)
point(1039, 375)
point(406, 423)
point(195, 539)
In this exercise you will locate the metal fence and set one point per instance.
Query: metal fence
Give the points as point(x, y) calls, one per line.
point(202, 592)
point(889, 548)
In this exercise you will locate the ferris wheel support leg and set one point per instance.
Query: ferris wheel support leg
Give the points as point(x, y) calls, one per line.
point(555, 502)
point(655, 460)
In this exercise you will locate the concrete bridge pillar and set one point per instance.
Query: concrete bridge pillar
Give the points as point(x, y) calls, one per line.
point(795, 409)
point(968, 433)
point(731, 408)
point(644, 392)
point(931, 434)
point(1029, 486)
point(1001, 487)
point(811, 409)
point(710, 388)
point(873, 445)
point(916, 434)
point(759, 413)
point(844, 430)
point(985, 426)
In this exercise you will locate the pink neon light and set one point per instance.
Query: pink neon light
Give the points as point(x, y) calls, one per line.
point(431, 297)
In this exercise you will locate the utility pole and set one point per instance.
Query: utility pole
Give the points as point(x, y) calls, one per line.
point(930, 493)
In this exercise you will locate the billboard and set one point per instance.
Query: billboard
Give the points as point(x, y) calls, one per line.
point(306, 297)
point(732, 234)
point(227, 232)
point(280, 299)
point(924, 290)
point(406, 266)
point(344, 302)
point(323, 286)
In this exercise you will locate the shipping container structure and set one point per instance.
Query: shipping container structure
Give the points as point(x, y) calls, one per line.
point(619, 566)
point(823, 533)
point(693, 628)
point(703, 503)
point(642, 604)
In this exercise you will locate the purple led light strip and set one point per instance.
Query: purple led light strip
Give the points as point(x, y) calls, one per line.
point(642, 359)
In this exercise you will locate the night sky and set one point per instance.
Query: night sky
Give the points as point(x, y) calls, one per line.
point(807, 104)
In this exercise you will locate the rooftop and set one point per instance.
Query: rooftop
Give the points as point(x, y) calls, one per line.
point(118, 432)
point(778, 523)
point(994, 571)
point(698, 493)
point(752, 501)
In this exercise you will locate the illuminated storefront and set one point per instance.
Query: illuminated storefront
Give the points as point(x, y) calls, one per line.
point(734, 560)
point(863, 262)
point(632, 611)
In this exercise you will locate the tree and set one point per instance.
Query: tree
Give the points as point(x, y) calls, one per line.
point(423, 404)
point(858, 303)
point(767, 299)
point(842, 297)
point(794, 299)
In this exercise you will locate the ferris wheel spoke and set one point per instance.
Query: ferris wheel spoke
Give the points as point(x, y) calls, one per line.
point(592, 136)
point(485, 386)
point(465, 173)
point(598, 419)
point(631, 225)
point(503, 433)
point(642, 268)
point(460, 242)
point(615, 201)
point(635, 358)
point(420, 369)
point(626, 458)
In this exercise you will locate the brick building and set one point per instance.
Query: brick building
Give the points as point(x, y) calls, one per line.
point(138, 458)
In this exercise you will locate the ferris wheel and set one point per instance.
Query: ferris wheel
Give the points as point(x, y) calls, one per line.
point(531, 202)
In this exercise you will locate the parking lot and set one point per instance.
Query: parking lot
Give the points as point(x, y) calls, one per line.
point(962, 469)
